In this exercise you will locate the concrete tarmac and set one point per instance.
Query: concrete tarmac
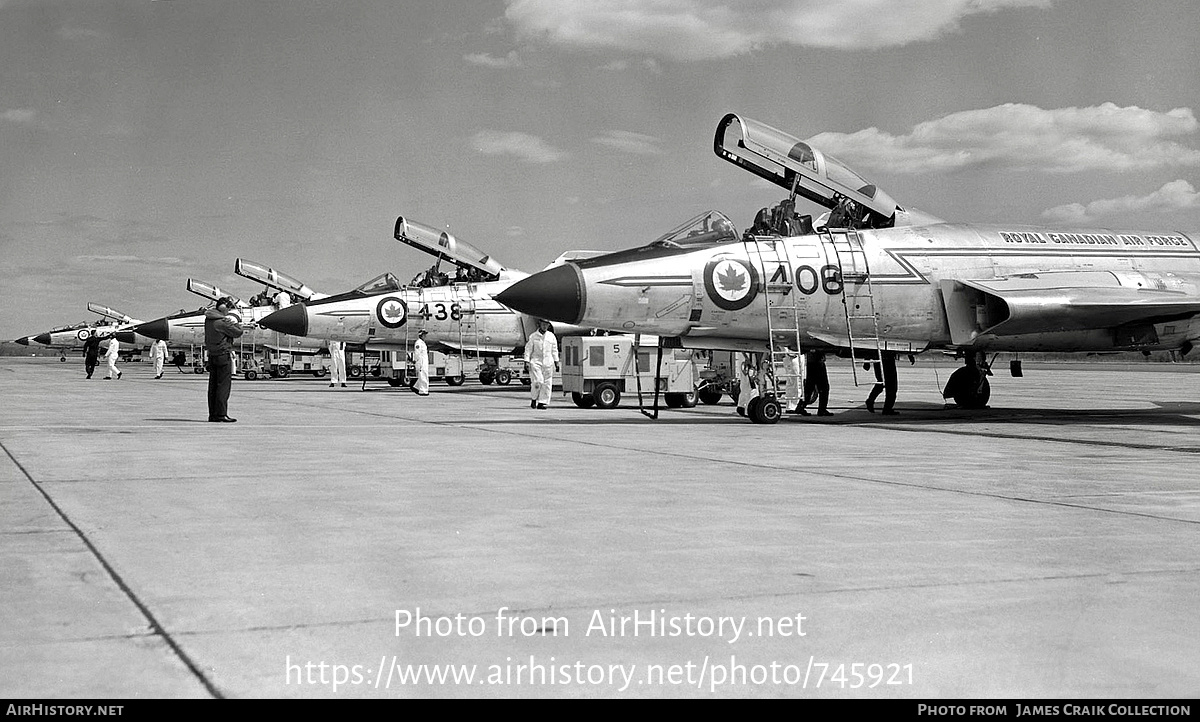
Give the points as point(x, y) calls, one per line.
point(350, 543)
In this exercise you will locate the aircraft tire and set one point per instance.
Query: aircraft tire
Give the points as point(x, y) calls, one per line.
point(970, 393)
point(583, 401)
point(709, 396)
point(455, 380)
point(503, 377)
point(607, 395)
point(765, 410)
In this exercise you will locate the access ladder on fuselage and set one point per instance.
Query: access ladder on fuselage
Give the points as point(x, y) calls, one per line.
point(783, 315)
point(858, 297)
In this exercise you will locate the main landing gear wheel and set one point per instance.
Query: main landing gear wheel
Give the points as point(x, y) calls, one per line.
point(970, 388)
point(764, 410)
point(583, 401)
point(607, 395)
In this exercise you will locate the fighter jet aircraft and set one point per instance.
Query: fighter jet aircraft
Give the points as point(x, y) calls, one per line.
point(458, 313)
point(873, 279)
point(187, 327)
point(69, 337)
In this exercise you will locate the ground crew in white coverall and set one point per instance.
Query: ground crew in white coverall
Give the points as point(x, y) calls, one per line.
point(541, 353)
point(158, 352)
point(114, 348)
point(337, 358)
point(421, 361)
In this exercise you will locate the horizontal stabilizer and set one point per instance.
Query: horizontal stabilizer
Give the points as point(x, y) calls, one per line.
point(442, 245)
point(793, 164)
point(270, 277)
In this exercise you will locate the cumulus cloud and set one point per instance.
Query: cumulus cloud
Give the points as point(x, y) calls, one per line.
point(705, 29)
point(23, 116)
point(629, 142)
point(1025, 137)
point(1174, 196)
point(512, 60)
point(528, 148)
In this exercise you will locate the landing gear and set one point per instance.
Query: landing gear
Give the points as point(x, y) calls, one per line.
point(969, 386)
point(764, 410)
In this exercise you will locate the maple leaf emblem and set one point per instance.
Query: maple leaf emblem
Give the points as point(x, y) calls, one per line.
point(732, 280)
point(393, 311)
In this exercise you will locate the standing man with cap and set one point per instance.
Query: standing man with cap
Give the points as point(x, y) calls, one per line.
point(221, 326)
point(541, 353)
point(421, 362)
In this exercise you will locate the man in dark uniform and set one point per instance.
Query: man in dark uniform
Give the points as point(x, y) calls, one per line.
point(220, 328)
point(91, 353)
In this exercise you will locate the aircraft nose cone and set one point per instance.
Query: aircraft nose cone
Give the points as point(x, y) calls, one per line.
point(24, 340)
point(43, 339)
point(555, 295)
point(292, 320)
point(126, 337)
point(159, 330)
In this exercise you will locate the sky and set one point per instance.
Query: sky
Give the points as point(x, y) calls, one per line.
point(145, 142)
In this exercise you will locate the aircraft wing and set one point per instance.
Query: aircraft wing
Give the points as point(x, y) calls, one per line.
point(1065, 301)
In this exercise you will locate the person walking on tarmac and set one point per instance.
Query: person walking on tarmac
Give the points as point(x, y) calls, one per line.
point(221, 326)
point(878, 387)
point(889, 383)
point(541, 354)
point(421, 362)
point(114, 350)
point(337, 358)
point(816, 384)
point(91, 353)
point(158, 353)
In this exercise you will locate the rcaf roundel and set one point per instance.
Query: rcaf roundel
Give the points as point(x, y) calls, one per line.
point(392, 312)
point(731, 283)
point(82, 334)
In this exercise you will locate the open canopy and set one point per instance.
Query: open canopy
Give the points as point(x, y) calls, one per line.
point(795, 165)
point(270, 277)
point(442, 245)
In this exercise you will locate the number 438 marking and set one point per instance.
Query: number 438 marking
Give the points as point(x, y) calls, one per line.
point(440, 312)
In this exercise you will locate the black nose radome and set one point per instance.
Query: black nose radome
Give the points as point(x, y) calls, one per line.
point(159, 329)
point(24, 340)
point(43, 339)
point(292, 320)
point(555, 295)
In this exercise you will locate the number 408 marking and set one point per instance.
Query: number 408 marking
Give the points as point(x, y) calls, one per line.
point(809, 280)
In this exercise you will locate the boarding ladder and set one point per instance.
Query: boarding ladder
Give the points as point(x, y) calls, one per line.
point(468, 323)
point(858, 298)
point(783, 314)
